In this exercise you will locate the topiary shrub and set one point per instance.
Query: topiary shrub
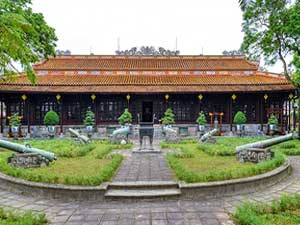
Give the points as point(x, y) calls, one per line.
point(273, 120)
point(89, 119)
point(14, 120)
point(240, 118)
point(125, 118)
point(169, 117)
point(51, 118)
point(201, 120)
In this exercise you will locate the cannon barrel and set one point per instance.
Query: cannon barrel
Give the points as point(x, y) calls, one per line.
point(265, 143)
point(208, 134)
point(26, 149)
point(122, 130)
point(169, 130)
point(83, 138)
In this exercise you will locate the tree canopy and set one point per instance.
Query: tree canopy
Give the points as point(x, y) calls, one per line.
point(272, 31)
point(25, 37)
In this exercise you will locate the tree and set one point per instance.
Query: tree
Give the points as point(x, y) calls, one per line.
point(239, 118)
point(89, 119)
point(126, 117)
point(272, 30)
point(201, 120)
point(51, 118)
point(25, 37)
point(169, 117)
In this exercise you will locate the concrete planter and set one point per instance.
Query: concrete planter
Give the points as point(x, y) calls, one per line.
point(89, 129)
point(201, 128)
point(15, 129)
point(273, 127)
point(52, 131)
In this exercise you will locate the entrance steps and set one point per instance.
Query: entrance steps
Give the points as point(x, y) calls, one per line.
point(143, 189)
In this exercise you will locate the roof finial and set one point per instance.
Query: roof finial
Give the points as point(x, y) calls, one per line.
point(118, 43)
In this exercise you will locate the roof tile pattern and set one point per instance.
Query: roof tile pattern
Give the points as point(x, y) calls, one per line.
point(148, 83)
point(146, 63)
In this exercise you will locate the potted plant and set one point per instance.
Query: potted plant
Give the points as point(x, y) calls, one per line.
point(89, 120)
point(15, 123)
point(201, 120)
point(126, 118)
point(51, 119)
point(273, 122)
point(169, 118)
point(239, 119)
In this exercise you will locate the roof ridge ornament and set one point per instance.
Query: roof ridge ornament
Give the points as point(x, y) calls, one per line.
point(148, 51)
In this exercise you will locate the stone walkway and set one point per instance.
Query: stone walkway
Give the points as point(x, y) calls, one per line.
point(198, 212)
point(144, 167)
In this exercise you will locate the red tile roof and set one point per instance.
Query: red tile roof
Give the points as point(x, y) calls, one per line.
point(149, 83)
point(92, 62)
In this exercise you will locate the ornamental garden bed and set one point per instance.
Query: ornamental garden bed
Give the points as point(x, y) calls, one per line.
point(77, 164)
point(285, 210)
point(217, 162)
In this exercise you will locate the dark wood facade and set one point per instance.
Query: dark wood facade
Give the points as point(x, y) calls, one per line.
point(107, 108)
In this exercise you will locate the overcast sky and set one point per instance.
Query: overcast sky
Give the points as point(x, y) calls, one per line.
point(94, 26)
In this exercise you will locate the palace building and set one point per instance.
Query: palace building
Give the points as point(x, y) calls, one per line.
point(147, 85)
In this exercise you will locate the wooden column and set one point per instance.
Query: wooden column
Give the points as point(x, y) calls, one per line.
point(294, 115)
point(230, 114)
point(96, 113)
point(28, 116)
point(288, 111)
point(61, 116)
point(261, 113)
point(1, 116)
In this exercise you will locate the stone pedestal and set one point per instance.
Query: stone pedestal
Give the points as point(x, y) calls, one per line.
point(28, 160)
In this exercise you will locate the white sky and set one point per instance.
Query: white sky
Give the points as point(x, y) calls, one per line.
point(82, 26)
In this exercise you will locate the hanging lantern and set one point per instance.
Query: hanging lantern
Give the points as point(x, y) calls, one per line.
point(93, 97)
point(128, 97)
point(58, 97)
point(167, 97)
point(291, 96)
point(266, 97)
point(233, 97)
point(24, 97)
point(200, 97)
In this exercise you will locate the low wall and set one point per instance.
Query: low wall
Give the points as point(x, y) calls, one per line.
point(58, 191)
point(189, 191)
point(236, 186)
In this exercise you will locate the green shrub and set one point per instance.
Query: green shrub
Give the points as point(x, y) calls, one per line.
point(89, 119)
point(201, 120)
point(51, 118)
point(14, 120)
point(169, 117)
point(281, 211)
point(273, 120)
point(240, 118)
point(125, 118)
point(27, 218)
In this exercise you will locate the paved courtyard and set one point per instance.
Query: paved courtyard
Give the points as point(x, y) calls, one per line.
point(203, 211)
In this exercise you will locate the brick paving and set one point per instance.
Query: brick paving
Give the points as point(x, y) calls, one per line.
point(144, 167)
point(203, 211)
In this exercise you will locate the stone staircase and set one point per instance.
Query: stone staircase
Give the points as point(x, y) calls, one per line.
point(142, 189)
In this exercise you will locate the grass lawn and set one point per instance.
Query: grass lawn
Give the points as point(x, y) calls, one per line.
point(196, 164)
point(284, 211)
point(289, 147)
point(10, 218)
point(226, 145)
point(77, 164)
